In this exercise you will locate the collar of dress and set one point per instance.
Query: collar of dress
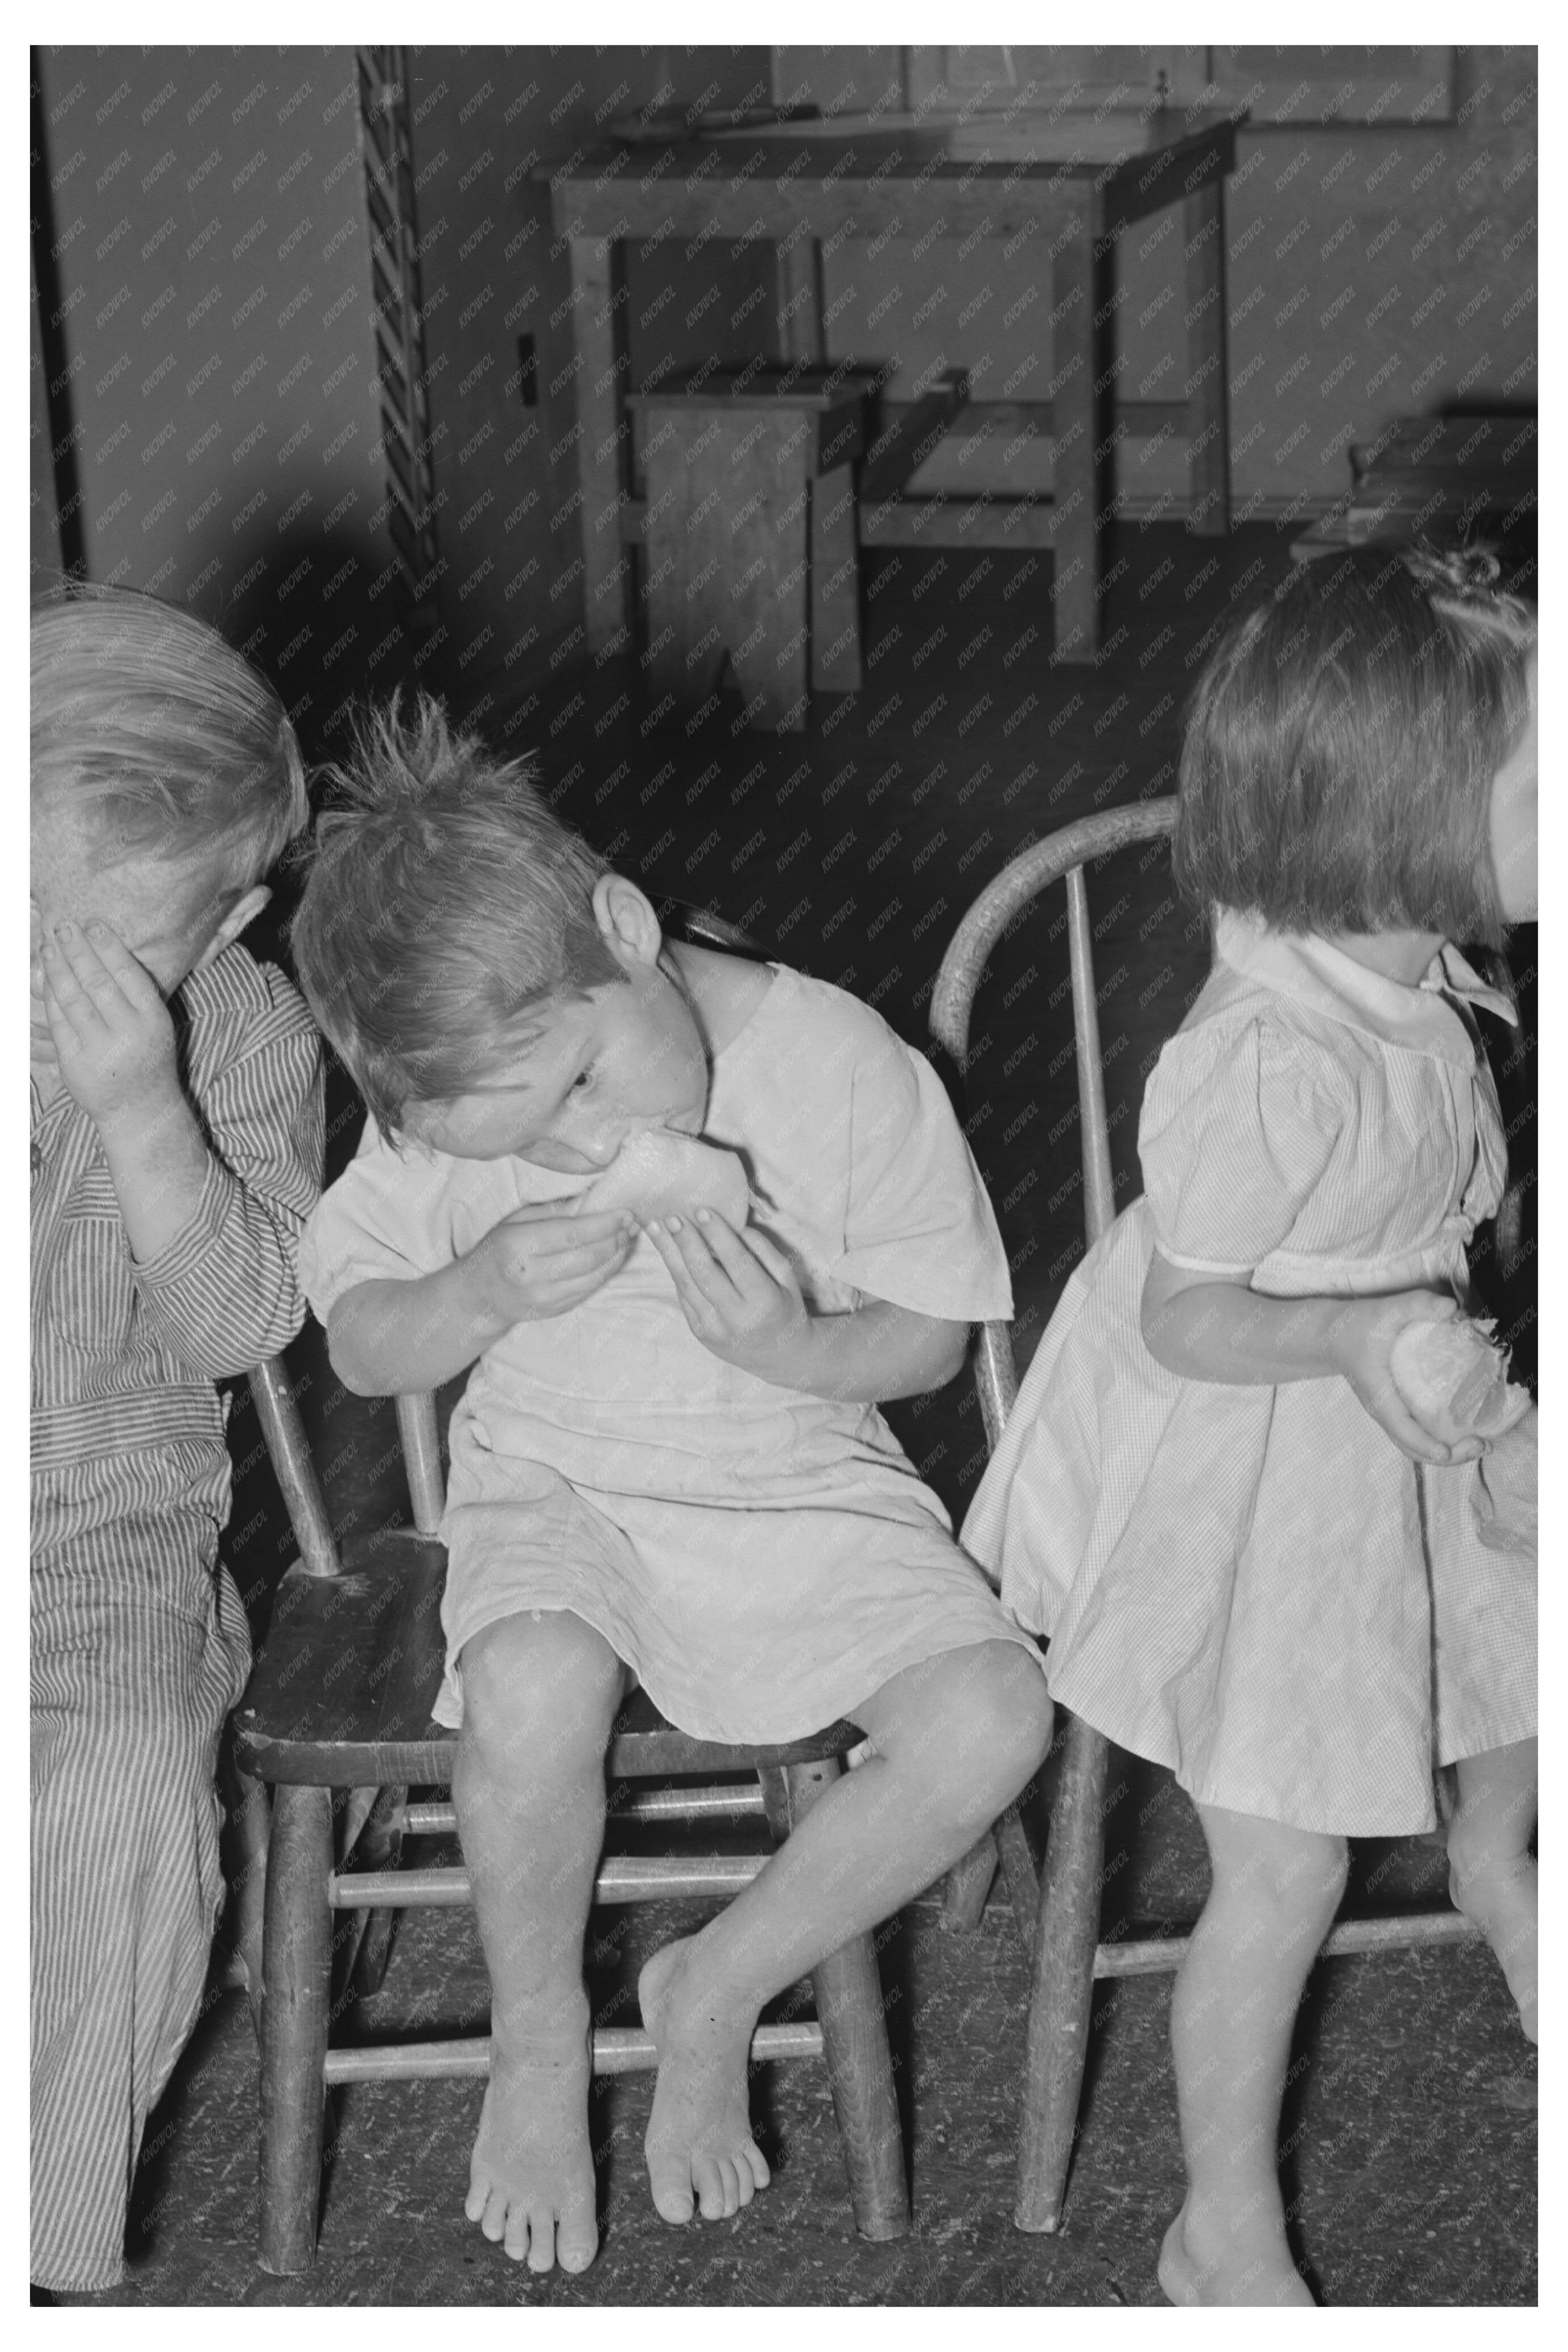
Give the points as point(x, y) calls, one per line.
point(1421, 1020)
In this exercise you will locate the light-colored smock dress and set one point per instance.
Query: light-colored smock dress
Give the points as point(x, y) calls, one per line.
point(762, 1559)
point(1251, 1585)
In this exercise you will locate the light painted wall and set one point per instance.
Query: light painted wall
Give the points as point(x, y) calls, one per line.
point(43, 520)
point(210, 219)
point(215, 265)
point(485, 121)
point(215, 271)
point(1372, 273)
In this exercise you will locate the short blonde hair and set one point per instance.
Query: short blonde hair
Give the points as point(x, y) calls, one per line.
point(146, 716)
point(447, 908)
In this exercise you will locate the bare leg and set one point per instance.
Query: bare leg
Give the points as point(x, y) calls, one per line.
point(540, 1693)
point(954, 1741)
point(1273, 1901)
point(1491, 1872)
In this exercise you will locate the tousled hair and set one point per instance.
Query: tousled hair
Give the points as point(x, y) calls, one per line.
point(447, 907)
point(148, 725)
point(1340, 747)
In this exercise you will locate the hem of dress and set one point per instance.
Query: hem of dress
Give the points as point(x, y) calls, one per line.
point(1361, 1825)
point(448, 1709)
point(1460, 1746)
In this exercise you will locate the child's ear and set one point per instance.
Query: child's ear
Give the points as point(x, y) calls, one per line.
point(625, 918)
point(243, 911)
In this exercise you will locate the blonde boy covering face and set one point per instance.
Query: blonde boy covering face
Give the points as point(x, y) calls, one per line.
point(171, 1175)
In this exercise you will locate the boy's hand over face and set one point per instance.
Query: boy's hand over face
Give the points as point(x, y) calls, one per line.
point(110, 1026)
point(739, 1292)
point(43, 1061)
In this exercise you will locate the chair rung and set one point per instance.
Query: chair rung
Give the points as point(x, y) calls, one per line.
point(693, 1805)
point(436, 1820)
point(432, 1820)
point(623, 1878)
point(617, 2050)
point(1167, 1952)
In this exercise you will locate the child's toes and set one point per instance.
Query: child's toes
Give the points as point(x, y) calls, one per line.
point(715, 2197)
point(670, 2180)
point(492, 2211)
point(576, 2235)
point(541, 2237)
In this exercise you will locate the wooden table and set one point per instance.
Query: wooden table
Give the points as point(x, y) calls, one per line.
point(1067, 182)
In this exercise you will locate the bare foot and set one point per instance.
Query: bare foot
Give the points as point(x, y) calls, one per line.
point(1502, 1901)
point(530, 2182)
point(700, 2154)
point(1248, 2266)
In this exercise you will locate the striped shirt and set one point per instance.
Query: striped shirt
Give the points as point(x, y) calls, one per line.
point(140, 1645)
point(125, 1355)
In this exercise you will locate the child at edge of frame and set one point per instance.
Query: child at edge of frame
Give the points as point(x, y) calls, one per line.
point(176, 1143)
point(1232, 1492)
point(669, 1460)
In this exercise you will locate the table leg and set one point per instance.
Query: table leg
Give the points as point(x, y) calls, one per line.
point(1082, 382)
point(599, 343)
point(1209, 420)
point(834, 585)
point(799, 301)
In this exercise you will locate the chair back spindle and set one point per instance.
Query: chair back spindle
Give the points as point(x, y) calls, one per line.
point(422, 1459)
point(295, 1473)
point(1099, 1190)
point(1063, 854)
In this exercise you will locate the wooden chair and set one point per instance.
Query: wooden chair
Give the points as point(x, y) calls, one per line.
point(1058, 1910)
point(336, 1721)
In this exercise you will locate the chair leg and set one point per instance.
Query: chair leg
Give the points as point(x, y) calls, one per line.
point(379, 1847)
point(848, 1991)
point(967, 1885)
point(1022, 1873)
point(860, 2068)
point(294, 2015)
point(1061, 1990)
point(374, 1952)
point(252, 1818)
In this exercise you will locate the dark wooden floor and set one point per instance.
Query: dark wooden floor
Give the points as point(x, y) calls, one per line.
point(851, 851)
